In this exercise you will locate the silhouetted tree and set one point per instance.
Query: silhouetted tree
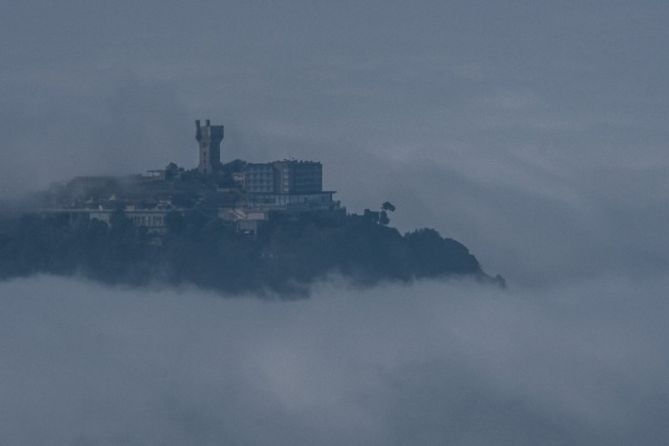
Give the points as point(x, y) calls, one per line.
point(201, 249)
point(388, 206)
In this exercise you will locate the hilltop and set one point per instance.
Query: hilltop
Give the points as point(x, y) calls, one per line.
point(206, 252)
point(231, 227)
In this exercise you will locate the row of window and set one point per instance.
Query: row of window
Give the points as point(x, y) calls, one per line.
point(148, 220)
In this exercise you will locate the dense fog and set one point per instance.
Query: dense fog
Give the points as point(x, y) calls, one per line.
point(433, 363)
point(532, 132)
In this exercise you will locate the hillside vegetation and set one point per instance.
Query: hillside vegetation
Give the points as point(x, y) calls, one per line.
point(285, 258)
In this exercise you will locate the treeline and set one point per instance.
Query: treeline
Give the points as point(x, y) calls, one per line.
point(285, 258)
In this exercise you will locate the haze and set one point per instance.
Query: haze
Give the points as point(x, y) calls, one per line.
point(533, 132)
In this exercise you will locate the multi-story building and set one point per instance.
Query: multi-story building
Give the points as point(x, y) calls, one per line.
point(284, 177)
point(259, 178)
point(298, 177)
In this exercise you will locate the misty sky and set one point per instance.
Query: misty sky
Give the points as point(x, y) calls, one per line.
point(534, 132)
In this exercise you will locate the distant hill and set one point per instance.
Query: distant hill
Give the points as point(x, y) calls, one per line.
point(286, 258)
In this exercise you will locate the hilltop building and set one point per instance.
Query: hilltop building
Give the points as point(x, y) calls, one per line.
point(284, 177)
point(246, 195)
point(259, 178)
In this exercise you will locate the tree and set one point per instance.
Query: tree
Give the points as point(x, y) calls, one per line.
point(386, 207)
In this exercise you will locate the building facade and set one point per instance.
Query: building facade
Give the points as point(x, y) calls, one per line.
point(284, 177)
point(298, 177)
point(259, 178)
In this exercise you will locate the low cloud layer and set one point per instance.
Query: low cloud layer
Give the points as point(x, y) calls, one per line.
point(433, 363)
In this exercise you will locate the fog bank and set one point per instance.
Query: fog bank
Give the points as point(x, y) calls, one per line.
point(432, 363)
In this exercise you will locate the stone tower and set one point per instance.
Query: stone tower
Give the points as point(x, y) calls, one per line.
point(209, 137)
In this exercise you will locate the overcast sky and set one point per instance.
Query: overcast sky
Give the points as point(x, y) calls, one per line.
point(535, 132)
